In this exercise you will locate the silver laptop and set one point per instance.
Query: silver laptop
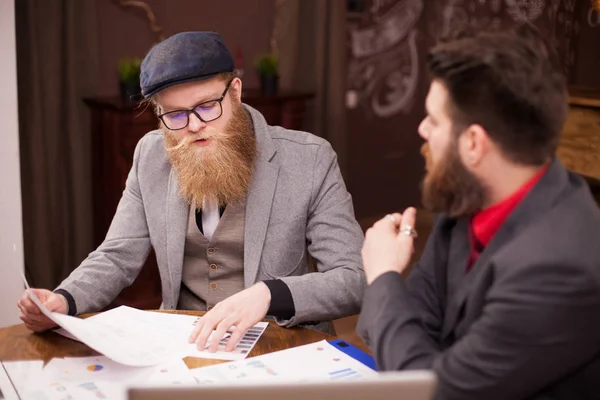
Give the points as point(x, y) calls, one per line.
point(410, 385)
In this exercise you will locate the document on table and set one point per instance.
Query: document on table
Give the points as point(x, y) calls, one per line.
point(115, 339)
point(75, 390)
point(92, 369)
point(312, 362)
point(91, 378)
point(25, 371)
point(175, 328)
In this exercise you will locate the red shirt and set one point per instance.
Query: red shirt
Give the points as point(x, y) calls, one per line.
point(486, 223)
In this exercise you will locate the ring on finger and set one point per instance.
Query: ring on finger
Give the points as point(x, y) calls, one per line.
point(392, 218)
point(409, 231)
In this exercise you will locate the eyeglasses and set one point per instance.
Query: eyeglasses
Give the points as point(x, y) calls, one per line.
point(206, 111)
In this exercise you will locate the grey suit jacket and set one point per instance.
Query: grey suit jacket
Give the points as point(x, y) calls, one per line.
point(523, 323)
point(297, 205)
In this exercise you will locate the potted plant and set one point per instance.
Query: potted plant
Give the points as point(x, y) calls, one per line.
point(129, 78)
point(266, 65)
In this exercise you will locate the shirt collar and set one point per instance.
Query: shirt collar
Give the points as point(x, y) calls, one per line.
point(486, 223)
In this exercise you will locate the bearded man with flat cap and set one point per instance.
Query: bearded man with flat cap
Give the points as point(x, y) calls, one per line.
point(234, 209)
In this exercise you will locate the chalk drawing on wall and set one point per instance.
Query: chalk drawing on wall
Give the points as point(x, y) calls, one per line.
point(522, 11)
point(552, 11)
point(495, 6)
point(454, 17)
point(396, 92)
point(378, 5)
point(570, 5)
point(383, 70)
point(477, 14)
point(566, 30)
point(556, 18)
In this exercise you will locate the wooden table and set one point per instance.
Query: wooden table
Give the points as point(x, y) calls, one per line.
point(17, 343)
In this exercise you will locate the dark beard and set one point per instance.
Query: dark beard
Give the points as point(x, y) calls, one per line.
point(449, 187)
point(224, 172)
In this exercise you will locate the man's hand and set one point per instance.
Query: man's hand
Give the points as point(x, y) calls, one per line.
point(32, 316)
point(387, 248)
point(238, 312)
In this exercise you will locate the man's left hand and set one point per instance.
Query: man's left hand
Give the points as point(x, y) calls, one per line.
point(386, 247)
point(238, 312)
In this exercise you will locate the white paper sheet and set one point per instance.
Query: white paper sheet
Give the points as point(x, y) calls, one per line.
point(94, 369)
point(31, 382)
point(72, 390)
point(23, 373)
point(8, 390)
point(176, 329)
point(104, 369)
point(114, 338)
point(313, 362)
point(92, 378)
point(241, 350)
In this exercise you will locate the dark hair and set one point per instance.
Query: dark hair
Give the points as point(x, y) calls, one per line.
point(508, 83)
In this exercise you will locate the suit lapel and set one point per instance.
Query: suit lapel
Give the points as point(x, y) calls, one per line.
point(258, 209)
point(260, 198)
point(541, 198)
point(465, 284)
point(176, 227)
point(458, 256)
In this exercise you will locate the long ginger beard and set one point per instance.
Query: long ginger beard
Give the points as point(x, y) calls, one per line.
point(448, 186)
point(223, 170)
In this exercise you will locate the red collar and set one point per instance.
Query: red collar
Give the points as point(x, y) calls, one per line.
point(486, 223)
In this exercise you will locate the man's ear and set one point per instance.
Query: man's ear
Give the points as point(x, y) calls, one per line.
point(473, 145)
point(236, 85)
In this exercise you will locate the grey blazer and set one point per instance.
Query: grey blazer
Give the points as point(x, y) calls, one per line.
point(297, 206)
point(523, 323)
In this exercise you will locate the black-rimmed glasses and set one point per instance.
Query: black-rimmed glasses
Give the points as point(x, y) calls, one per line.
point(206, 111)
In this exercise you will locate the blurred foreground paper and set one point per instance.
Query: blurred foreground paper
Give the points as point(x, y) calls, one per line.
point(133, 347)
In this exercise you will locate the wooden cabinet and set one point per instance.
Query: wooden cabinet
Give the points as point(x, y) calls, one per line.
point(116, 129)
point(117, 126)
point(579, 147)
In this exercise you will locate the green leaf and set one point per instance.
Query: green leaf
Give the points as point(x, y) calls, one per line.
point(129, 69)
point(267, 64)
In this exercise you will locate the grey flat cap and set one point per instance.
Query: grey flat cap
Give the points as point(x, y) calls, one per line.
point(184, 57)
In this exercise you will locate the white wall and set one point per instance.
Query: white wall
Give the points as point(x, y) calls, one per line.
point(11, 229)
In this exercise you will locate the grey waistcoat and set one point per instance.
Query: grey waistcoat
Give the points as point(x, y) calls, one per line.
point(213, 270)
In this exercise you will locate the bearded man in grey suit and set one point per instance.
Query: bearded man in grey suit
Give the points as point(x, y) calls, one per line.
point(234, 209)
point(505, 300)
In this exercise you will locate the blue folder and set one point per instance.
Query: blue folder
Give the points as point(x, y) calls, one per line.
point(354, 352)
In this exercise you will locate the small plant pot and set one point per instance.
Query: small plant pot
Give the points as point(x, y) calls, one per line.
point(269, 84)
point(130, 91)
